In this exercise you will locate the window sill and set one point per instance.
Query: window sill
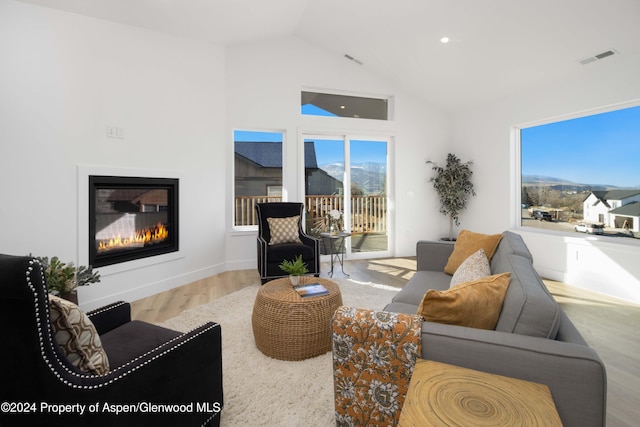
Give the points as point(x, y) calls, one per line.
point(243, 231)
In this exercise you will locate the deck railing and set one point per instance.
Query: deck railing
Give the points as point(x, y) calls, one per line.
point(368, 213)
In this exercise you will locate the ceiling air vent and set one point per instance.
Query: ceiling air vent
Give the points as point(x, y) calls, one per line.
point(351, 58)
point(598, 57)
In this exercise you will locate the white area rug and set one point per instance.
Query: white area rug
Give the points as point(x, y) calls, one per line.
point(259, 390)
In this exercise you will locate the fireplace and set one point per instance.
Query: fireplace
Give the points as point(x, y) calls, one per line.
point(131, 218)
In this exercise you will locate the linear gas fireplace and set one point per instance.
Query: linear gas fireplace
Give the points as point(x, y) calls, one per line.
point(131, 218)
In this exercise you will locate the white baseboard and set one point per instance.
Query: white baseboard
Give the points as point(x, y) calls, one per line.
point(133, 294)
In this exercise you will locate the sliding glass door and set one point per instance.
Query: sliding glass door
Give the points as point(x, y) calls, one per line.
point(349, 174)
point(368, 201)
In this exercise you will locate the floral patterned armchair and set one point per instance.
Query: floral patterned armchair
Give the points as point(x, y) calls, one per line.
point(374, 353)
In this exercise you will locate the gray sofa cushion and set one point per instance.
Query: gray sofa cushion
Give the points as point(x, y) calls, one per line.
point(529, 308)
point(401, 307)
point(511, 243)
point(419, 284)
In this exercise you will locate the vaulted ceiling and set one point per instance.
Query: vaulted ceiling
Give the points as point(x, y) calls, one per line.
point(495, 48)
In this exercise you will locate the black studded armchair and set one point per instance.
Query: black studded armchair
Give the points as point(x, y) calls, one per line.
point(156, 376)
point(272, 250)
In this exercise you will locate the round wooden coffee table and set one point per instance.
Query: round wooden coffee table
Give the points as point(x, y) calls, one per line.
point(445, 395)
point(289, 327)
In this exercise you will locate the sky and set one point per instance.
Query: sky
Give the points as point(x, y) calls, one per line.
point(253, 136)
point(597, 149)
point(332, 151)
point(327, 151)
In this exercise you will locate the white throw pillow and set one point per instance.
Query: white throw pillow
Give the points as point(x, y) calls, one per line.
point(473, 268)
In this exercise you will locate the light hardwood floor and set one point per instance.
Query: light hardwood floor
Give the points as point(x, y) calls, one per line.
point(611, 326)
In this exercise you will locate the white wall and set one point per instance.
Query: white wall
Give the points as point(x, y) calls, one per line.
point(63, 78)
point(484, 135)
point(264, 81)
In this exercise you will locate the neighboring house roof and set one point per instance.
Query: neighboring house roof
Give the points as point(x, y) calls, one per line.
point(630, 209)
point(600, 196)
point(621, 194)
point(310, 159)
point(264, 154)
point(604, 195)
point(269, 154)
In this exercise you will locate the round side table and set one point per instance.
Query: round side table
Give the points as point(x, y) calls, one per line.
point(335, 245)
point(289, 327)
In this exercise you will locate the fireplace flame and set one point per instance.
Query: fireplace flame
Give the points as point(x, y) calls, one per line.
point(141, 238)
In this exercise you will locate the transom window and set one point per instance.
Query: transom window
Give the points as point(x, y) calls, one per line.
point(333, 105)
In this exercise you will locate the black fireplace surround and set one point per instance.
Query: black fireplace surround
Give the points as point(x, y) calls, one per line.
point(131, 218)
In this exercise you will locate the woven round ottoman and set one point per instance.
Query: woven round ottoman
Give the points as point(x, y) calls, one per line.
point(289, 327)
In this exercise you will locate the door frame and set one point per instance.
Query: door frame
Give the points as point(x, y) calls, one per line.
point(346, 137)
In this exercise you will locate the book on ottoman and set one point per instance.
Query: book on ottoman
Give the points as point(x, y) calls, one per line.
point(311, 290)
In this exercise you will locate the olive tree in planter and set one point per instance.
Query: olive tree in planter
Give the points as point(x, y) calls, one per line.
point(454, 187)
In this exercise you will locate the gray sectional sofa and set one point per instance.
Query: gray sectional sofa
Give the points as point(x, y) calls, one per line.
point(533, 340)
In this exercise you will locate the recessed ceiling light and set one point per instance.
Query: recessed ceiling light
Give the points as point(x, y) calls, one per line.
point(444, 40)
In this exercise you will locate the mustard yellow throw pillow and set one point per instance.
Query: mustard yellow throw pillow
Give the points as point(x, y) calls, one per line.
point(476, 304)
point(467, 244)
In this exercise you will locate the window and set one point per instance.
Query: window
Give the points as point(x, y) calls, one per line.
point(332, 105)
point(581, 174)
point(258, 173)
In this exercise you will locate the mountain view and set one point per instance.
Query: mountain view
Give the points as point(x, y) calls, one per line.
point(560, 184)
point(368, 177)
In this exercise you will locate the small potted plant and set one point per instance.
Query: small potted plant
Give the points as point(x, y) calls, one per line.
point(295, 268)
point(63, 278)
point(454, 187)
